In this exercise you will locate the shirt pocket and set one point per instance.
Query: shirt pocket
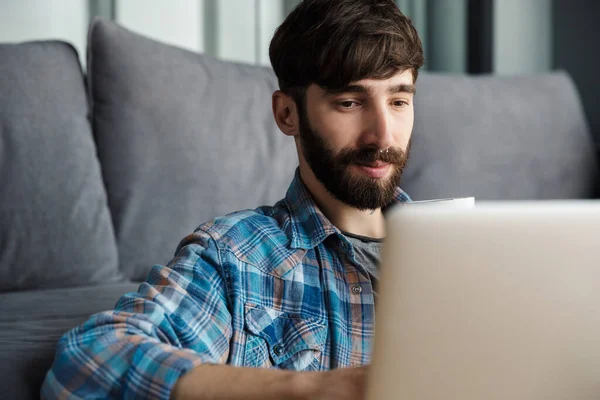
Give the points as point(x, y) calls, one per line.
point(275, 339)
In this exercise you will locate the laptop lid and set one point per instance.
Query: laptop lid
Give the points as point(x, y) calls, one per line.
point(501, 301)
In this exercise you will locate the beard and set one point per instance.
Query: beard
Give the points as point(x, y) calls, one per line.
point(335, 171)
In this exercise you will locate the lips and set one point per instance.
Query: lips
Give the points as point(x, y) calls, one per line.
point(376, 164)
point(375, 170)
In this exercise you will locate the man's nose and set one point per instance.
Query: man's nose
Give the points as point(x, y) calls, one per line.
point(378, 130)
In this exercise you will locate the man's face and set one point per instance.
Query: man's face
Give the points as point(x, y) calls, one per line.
point(356, 140)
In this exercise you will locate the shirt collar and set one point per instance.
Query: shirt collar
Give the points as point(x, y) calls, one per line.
point(309, 225)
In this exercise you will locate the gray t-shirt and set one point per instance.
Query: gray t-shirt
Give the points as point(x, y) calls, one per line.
point(368, 254)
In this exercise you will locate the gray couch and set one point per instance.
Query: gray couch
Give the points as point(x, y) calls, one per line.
point(102, 174)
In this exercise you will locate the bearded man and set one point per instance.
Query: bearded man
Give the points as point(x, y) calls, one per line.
point(278, 302)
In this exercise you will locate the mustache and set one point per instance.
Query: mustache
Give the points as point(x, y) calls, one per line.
point(393, 156)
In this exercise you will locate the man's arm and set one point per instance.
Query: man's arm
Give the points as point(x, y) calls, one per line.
point(177, 320)
point(208, 382)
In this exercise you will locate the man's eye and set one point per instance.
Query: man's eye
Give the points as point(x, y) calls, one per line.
point(400, 103)
point(348, 104)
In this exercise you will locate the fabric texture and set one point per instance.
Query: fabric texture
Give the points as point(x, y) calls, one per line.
point(500, 138)
point(55, 226)
point(31, 322)
point(276, 287)
point(368, 254)
point(182, 138)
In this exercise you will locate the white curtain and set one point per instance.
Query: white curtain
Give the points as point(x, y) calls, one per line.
point(240, 30)
point(234, 30)
point(26, 20)
point(442, 27)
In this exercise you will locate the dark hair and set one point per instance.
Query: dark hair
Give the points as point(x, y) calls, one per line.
point(334, 42)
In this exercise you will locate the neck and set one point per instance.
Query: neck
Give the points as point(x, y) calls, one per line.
point(369, 223)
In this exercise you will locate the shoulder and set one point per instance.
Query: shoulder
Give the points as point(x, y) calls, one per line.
point(252, 236)
point(237, 226)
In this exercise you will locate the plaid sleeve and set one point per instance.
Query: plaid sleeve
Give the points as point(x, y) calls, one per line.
point(177, 320)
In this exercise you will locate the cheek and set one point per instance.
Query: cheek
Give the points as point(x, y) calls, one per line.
point(341, 134)
point(340, 131)
point(403, 131)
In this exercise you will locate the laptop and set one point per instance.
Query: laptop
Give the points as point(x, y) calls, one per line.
point(496, 302)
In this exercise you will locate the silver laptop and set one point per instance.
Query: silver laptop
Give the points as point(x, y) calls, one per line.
point(496, 302)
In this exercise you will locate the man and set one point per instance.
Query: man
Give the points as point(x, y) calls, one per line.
point(288, 288)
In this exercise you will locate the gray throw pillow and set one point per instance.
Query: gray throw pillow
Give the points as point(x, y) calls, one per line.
point(182, 138)
point(55, 227)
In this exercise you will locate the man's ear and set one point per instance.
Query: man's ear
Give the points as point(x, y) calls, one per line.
point(285, 113)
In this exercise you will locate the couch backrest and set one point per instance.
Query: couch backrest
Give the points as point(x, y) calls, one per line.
point(55, 226)
point(500, 138)
point(183, 138)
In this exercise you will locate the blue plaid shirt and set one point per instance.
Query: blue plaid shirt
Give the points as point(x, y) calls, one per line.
point(277, 287)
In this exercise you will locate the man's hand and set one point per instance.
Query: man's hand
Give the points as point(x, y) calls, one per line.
point(227, 382)
point(343, 383)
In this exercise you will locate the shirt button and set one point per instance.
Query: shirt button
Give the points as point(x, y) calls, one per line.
point(356, 289)
point(278, 350)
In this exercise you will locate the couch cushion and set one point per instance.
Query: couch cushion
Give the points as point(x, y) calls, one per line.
point(31, 322)
point(500, 138)
point(53, 209)
point(182, 138)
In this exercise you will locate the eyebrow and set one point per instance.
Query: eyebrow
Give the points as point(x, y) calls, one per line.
point(401, 88)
